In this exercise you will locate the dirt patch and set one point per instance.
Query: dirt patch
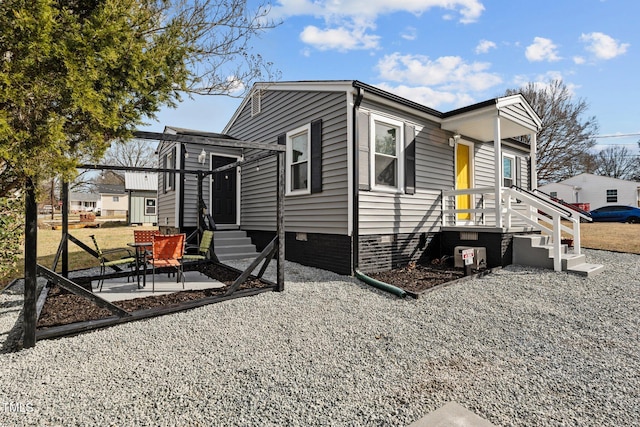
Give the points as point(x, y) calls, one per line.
point(417, 278)
point(63, 307)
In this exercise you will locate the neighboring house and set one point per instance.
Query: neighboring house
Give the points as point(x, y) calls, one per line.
point(595, 190)
point(373, 180)
point(83, 202)
point(114, 200)
point(142, 190)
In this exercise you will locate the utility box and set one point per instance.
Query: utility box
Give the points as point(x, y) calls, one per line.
point(479, 257)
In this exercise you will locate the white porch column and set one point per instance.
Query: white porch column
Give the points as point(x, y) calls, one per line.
point(497, 150)
point(533, 149)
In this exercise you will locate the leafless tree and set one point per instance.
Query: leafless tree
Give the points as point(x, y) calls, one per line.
point(566, 135)
point(616, 162)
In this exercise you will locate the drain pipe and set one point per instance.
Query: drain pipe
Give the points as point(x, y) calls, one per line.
point(380, 285)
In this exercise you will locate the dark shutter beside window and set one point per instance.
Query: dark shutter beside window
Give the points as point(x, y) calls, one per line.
point(410, 159)
point(518, 171)
point(282, 139)
point(363, 151)
point(316, 156)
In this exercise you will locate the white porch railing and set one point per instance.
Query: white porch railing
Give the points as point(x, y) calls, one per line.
point(517, 206)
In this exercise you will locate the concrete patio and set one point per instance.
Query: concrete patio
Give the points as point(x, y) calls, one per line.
point(119, 289)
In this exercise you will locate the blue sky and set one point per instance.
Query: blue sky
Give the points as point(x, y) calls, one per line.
point(450, 53)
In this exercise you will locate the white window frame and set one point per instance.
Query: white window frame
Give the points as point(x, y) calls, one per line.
point(513, 179)
point(398, 124)
point(289, 157)
point(155, 206)
point(170, 164)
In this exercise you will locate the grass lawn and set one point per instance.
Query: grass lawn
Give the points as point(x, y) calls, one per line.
point(600, 235)
point(49, 240)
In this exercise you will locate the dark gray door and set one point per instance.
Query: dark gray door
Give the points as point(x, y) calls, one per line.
point(224, 195)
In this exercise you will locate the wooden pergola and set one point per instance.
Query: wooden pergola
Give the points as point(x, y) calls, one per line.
point(32, 270)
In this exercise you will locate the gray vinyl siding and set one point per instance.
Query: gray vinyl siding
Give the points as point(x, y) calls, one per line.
point(281, 112)
point(518, 114)
point(190, 201)
point(166, 200)
point(397, 213)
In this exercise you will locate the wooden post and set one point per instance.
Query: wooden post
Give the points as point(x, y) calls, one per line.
point(65, 228)
point(280, 222)
point(30, 261)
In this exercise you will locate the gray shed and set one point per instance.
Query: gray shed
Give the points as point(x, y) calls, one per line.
point(143, 197)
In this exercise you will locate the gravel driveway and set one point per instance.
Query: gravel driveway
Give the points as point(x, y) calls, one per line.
point(518, 347)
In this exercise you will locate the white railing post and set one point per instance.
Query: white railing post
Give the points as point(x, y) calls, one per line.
point(557, 257)
point(576, 237)
point(506, 194)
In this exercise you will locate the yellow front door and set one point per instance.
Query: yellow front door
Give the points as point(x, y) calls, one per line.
point(463, 179)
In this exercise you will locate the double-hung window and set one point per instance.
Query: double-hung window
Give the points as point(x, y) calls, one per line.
point(386, 149)
point(508, 170)
point(298, 155)
point(169, 177)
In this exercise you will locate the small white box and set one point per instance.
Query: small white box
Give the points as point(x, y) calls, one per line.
point(479, 257)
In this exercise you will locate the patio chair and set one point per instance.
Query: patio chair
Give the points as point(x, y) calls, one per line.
point(128, 260)
point(167, 251)
point(145, 236)
point(203, 248)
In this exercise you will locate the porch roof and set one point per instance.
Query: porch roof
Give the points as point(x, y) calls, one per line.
point(477, 121)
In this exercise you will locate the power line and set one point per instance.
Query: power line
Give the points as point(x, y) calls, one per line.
point(617, 135)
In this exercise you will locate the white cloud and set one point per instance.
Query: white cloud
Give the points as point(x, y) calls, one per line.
point(542, 50)
point(410, 33)
point(485, 46)
point(341, 38)
point(467, 10)
point(543, 81)
point(429, 97)
point(603, 46)
point(449, 72)
point(578, 60)
point(342, 18)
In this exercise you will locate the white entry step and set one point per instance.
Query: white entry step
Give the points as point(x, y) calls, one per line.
point(535, 250)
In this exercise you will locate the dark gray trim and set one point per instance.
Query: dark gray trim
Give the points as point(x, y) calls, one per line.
point(410, 159)
point(316, 156)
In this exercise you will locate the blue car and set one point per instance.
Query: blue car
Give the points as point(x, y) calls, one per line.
point(616, 214)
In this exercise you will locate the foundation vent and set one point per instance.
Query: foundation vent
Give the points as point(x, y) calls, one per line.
point(468, 235)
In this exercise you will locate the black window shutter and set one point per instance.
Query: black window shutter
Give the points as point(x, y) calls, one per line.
point(282, 139)
point(518, 168)
point(363, 151)
point(409, 159)
point(316, 156)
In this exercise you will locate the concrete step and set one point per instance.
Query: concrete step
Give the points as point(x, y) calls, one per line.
point(535, 251)
point(227, 257)
point(572, 260)
point(233, 244)
point(228, 234)
point(586, 270)
point(227, 250)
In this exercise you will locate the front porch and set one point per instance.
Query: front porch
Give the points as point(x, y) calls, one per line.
point(494, 221)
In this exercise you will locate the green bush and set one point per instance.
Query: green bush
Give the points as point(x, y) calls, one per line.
point(11, 233)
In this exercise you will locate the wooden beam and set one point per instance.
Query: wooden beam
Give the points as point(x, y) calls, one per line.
point(220, 142)
point(75, 328)
point(30, 260)
point(249, 159)
point(280, 230)
point(65, 228)
point(76, 289)
point(246, 273)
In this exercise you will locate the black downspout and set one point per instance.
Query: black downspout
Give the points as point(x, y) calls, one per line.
point(356, 187)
